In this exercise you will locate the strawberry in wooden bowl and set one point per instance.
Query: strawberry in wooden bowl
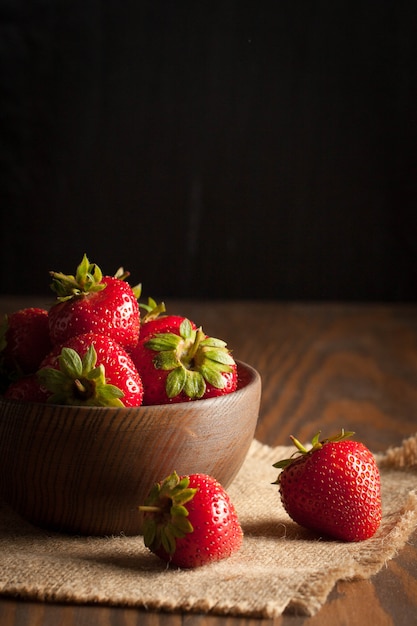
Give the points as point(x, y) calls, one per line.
point(79, 448)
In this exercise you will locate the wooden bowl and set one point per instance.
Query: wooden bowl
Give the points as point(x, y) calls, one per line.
point(85, 470)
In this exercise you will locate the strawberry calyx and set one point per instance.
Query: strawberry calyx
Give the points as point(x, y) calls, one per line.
point(192, 359)
point(316, 444)
point(165, 516)
point(153, 309)
point(78, 381)
point(87, 279)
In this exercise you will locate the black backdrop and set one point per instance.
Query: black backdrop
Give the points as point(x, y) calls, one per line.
point(225, 149)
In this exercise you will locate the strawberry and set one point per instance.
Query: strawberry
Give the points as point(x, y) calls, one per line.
point(178, 362)
point(163, 324)
point(27, 389)
point(24, 340)
point(91, 370)
point(91, 302)
point(156, 320)
point(190, 521)
point(333, 488)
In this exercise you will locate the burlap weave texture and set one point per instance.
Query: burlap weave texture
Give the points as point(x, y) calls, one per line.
point(280, 566)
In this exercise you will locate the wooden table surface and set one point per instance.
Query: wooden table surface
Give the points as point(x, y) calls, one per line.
point(323, 366)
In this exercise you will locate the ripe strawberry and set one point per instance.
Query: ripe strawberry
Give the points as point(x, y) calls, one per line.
point(156, 320)
point(333, 488)
point(27, 389)
point(190, 521)
point(163, 324)
point(24, 340)
point(91, 370)
point(178, 362)
point(89, 302)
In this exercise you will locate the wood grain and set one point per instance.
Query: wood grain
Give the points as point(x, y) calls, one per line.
point(323, 366)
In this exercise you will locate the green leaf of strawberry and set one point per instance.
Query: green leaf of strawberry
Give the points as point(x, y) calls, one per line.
point(164, 342)
point(190, 521)
point(332, 488)
point(153, 310)
point(175, 382)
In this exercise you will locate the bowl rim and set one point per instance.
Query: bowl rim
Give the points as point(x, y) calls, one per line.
point(253, 379)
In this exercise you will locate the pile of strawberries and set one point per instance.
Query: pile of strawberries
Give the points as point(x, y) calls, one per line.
point(93, 347)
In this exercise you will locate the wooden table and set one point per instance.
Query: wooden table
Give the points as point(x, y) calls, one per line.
point(323, 366)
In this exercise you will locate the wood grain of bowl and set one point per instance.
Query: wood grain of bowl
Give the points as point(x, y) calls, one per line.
point(85, 470)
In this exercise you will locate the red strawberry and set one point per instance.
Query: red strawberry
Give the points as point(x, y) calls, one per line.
point(190, 521)
point(91, 370)
point(24, 340)
point(89, 302)
point(178, 362)
point(333, 488)
point(27, 389)
point(163, 324)
point(156, 320)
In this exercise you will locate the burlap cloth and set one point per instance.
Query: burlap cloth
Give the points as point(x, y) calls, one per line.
point(280, 566)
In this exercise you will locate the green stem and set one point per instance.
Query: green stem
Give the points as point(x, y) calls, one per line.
point(199, 336)
point(149, 509)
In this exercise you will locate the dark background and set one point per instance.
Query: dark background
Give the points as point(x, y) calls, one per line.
point(224, 149)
